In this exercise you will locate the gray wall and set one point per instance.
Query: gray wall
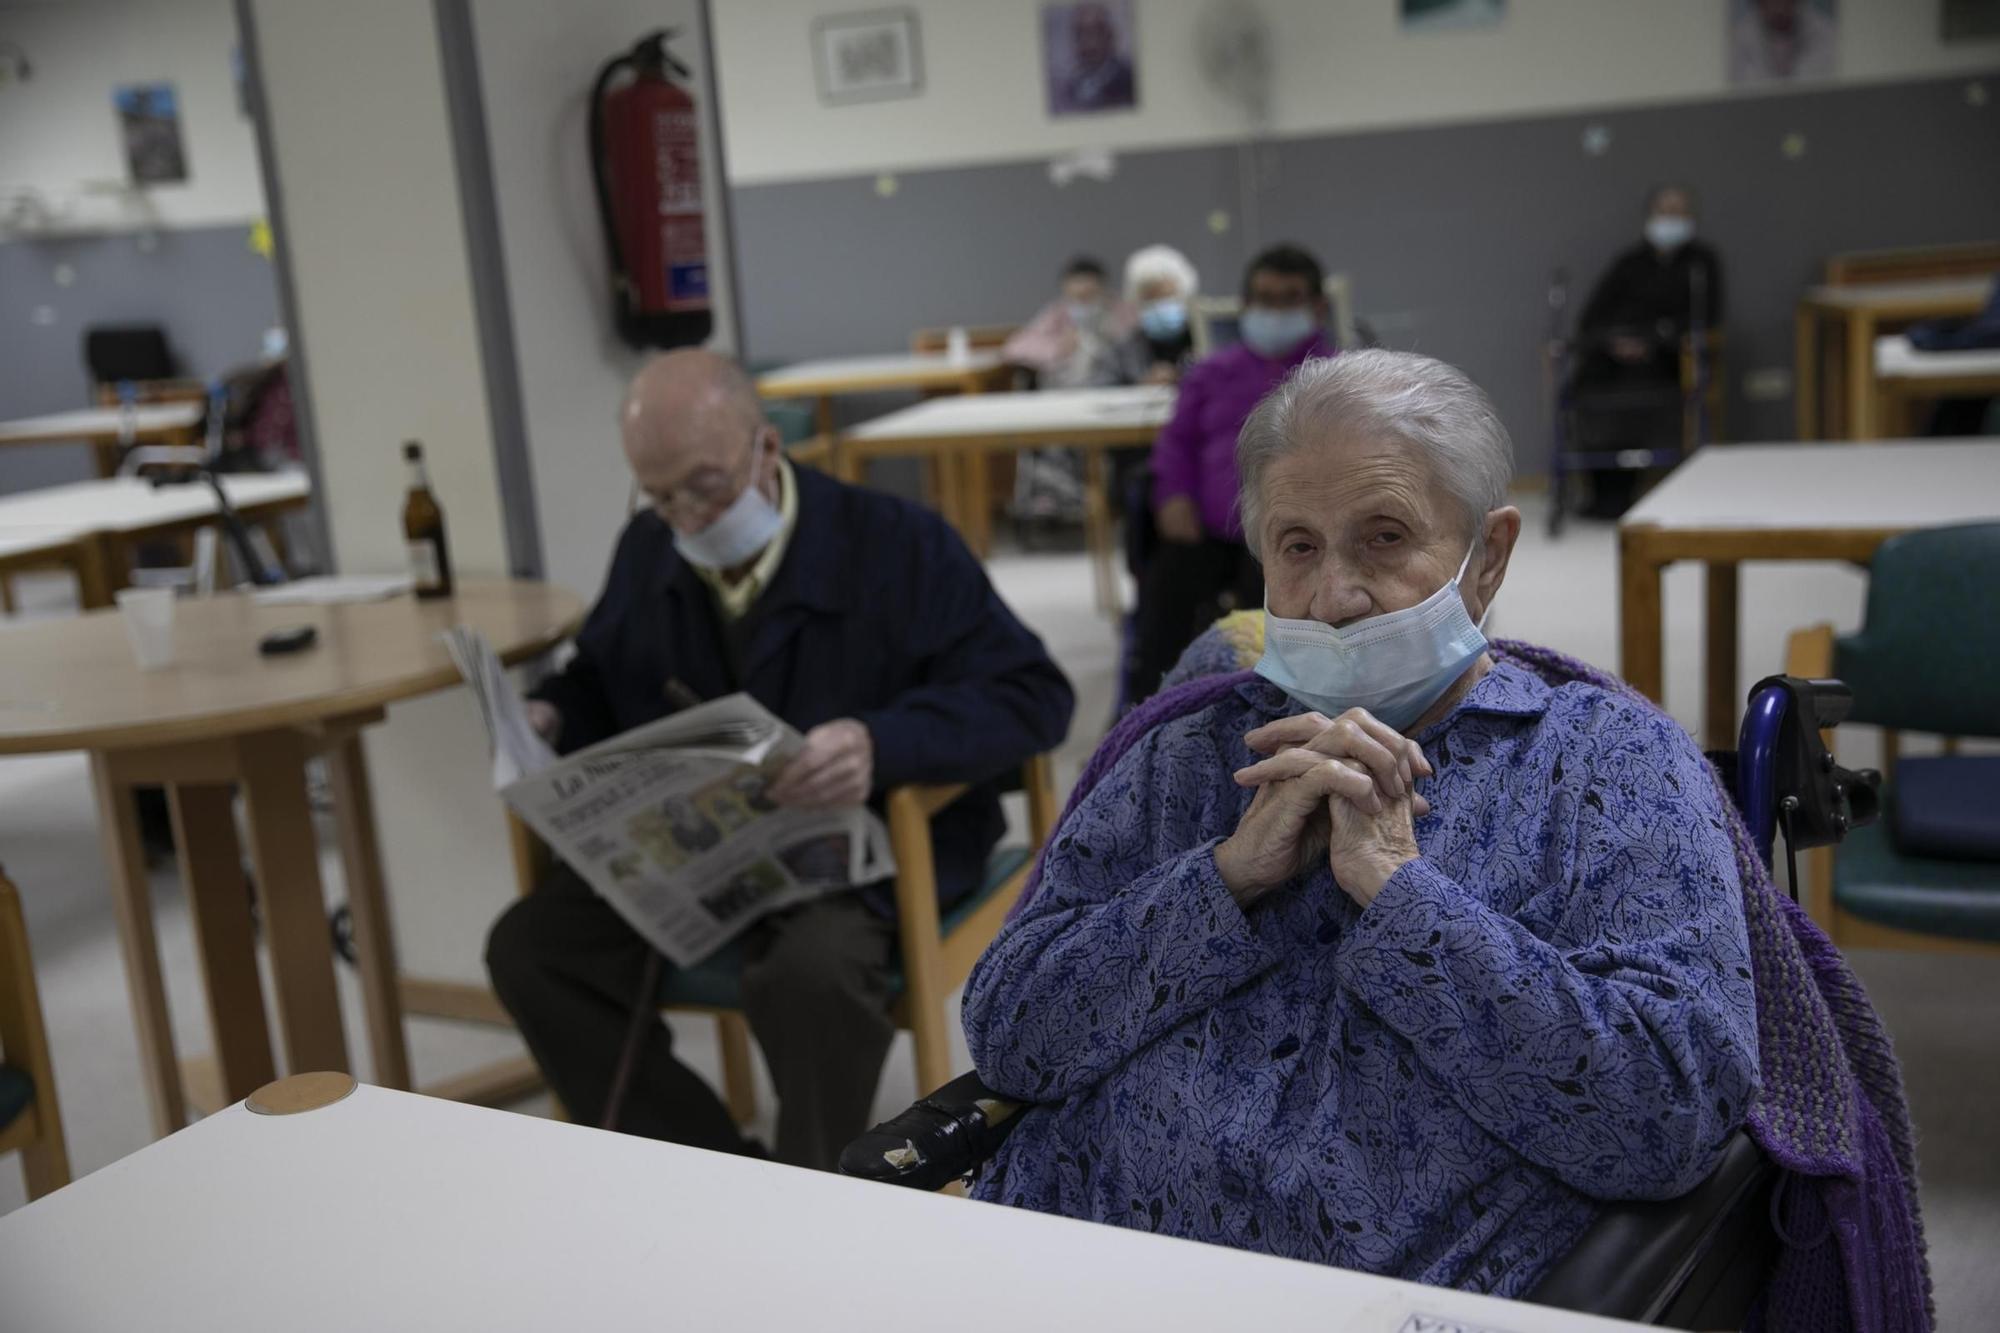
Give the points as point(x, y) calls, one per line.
point(204, 285)
point(1450, 234)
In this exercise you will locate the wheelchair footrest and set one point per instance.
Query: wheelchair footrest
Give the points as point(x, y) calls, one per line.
point(938, 1140)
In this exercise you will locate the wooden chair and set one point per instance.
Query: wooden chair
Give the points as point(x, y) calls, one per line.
point(30, 1124)
point(1918, 664)
point(1922, 263)
point(936, 950)
point(979, 337)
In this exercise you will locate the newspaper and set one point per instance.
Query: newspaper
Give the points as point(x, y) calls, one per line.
point(669, 822)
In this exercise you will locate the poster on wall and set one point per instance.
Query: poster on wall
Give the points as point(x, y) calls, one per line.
point(1969, 20)
point(868, 57)
point(149, 119)
point(1435, 15)
point(1778, 41)
point(1087, 60)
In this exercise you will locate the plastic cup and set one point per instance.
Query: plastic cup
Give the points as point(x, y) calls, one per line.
point(149, 624)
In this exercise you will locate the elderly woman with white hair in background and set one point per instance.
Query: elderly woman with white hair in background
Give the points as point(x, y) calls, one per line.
point(1161, 284)
point(1395, 956)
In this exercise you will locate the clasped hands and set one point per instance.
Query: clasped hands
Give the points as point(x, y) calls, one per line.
point(1344, 788)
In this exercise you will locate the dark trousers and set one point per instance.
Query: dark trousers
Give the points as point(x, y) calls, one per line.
point(1185, 587)
point(815, 989)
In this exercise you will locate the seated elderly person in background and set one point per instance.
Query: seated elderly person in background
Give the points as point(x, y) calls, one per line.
point(1399, 958)
point(1073, 342)
point(1161, 284)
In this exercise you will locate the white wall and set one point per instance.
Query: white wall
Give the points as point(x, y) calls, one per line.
point(536, 63)
point(58, 130)
point(1341, 65)
point(386, 323)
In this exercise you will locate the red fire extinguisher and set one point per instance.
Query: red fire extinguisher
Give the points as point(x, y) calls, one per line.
point(645, 156)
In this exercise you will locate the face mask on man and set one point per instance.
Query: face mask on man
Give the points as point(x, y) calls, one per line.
point(1163, 319)
point(1669, 231)
point(1276, 333)
point(1395, 665)
point(738, 532)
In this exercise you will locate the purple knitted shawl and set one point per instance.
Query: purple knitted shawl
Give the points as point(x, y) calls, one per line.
point(1831, 1112)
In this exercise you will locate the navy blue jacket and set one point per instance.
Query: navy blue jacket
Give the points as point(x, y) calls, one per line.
point(878, 612)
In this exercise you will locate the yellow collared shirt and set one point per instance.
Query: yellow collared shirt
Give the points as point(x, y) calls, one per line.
point(736, 598)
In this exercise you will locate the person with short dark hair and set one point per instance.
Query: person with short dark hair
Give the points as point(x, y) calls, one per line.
point(1200, 557)
point(1073, 342)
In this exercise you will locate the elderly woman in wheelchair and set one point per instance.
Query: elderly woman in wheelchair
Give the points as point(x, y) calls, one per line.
point(1400, 957)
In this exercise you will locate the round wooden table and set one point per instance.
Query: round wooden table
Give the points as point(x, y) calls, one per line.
point(223, 720)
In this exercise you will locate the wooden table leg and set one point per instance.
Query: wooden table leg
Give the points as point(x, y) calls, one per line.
point(1097, 530)
point(131, 896)
point(219, 902)
point(94, 584)
point(1805, 373)
point(976, 504)
point(1721, 703)
point(1640, 632)
point(286, 856)
point(368, 904)
point(1860, 375)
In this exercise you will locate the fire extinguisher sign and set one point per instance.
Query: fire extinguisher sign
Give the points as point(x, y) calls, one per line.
point(683, 241)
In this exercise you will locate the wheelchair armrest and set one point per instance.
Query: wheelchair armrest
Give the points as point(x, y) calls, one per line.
point(1694, 1262)
point(938, 1140)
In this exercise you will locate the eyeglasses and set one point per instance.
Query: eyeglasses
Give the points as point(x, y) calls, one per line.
point(705, 494)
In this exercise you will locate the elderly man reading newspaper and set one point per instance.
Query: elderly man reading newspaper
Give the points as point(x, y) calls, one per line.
point(863, 624)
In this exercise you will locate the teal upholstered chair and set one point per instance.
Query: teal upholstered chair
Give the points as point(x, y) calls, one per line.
point(29, 1122)
point(1924, 661)
point(935, 951)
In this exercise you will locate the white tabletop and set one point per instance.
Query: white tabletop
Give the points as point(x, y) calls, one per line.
point(1896, 359)
point(1891, 484)
point(870, 371)
point(91, 423)
point(129, 504)
point(37, 538)
point(394, 1211)
point(1863, 295)
point(1000, 414)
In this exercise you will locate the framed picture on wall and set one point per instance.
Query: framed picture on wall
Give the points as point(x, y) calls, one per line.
point(149, 119)
point(1087, 57)
point(868, 56)
point(1433, 15)
point(1778, 41)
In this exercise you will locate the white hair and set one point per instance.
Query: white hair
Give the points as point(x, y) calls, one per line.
point(1160, 261)
point(1417, 400)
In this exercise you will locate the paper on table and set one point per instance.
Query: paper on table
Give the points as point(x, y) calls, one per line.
point(332, 589)
point(518, 749)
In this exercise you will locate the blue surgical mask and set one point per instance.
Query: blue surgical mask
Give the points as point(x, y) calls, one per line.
point(1276, 333)
point(1395, 665)
point(736, 535)
point(1669, 232)
point(1164, 319)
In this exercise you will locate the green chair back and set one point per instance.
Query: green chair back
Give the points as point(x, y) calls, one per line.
point(1926, 656)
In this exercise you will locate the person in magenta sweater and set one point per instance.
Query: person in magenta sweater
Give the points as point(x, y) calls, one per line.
point(1200, 556)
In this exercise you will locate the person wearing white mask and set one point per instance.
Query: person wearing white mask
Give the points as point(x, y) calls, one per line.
point(863, 621)
point(1161, 284)
point(1397, 954)
point(1626, 386)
